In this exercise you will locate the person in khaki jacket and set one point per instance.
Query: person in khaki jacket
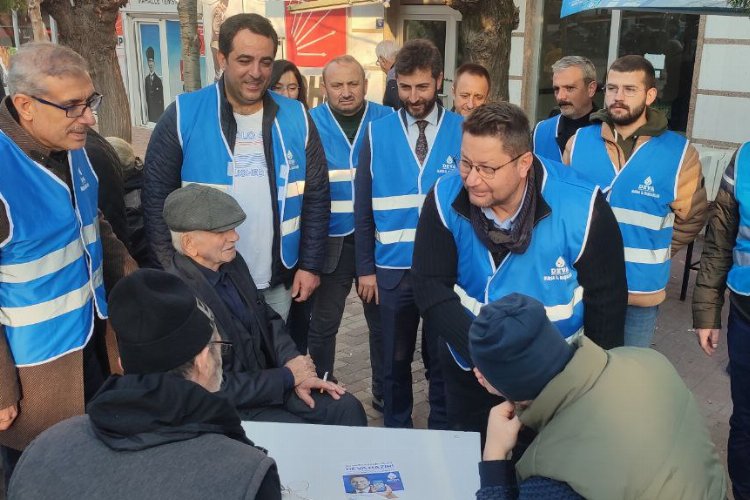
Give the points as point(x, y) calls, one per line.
point(726, 263)
point(653, 181)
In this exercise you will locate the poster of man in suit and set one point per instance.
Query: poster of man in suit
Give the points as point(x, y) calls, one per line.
point(154, 89)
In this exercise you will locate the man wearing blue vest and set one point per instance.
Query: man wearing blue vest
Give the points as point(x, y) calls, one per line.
point(56, 250)
point(401, 158)
point(726, 262)
point(653, 182)
point(342, 122)
point(259, 147)
point(574, 85)
point(507, 222)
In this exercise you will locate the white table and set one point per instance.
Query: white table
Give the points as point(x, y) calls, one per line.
point(433, 465)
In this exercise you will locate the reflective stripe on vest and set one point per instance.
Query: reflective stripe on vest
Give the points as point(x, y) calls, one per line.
point(640, 196)
point(545, 271)
point(208, 160)
point(51, 263)
point(399, 185)
point(545, 138)
point(738, 279)
point(342, 159)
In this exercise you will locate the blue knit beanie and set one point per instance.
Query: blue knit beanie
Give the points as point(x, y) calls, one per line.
point(515, 346)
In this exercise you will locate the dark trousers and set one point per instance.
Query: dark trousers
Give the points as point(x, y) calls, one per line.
point(468, 403)
point(327, 309)
point(328, 411)
point(738, 451)
point(9, 458)
point(298, 323)
point(400, 320)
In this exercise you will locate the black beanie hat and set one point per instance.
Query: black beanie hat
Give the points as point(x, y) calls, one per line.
point(159, 322)
point(516, 347)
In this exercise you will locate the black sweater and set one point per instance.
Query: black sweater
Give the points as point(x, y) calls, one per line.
point(601, 273)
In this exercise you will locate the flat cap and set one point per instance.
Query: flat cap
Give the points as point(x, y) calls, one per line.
point(196, 207)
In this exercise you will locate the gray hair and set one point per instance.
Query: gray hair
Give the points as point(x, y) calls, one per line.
point(345, 59)
point(177, 241)
point(587, 67)
point(37, 60)
point(387, 49)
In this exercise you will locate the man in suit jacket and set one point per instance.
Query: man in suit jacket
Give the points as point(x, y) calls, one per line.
point(266, 378)
point(154, 89)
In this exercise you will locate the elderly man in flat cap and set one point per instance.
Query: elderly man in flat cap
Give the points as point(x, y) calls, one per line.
point(610, 424)
point(266, 378)
point(159, 431)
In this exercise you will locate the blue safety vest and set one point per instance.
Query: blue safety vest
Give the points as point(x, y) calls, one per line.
point(545, 139)
point(51, 263)
point(399, 184)
point(640, 195)
point(207, 159)
point(342, 158)
point(739, 275)
point(544, 271)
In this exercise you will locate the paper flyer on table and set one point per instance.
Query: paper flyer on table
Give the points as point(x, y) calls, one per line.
point(374, 480)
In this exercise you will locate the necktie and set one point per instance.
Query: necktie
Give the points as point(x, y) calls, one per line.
point(421, 148)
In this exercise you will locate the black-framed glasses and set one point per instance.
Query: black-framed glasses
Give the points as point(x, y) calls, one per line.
point(292, 87)
point(76, 110)
point(224, 346)
point(485, 171)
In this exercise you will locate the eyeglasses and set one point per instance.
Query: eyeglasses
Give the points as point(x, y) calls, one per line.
point(292, 87)
point(485, 171)
point(224, 346)
point(76, 110)
point(627, 91)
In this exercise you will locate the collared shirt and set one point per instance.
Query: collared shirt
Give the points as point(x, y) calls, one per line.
point(506, 224)
point(430, 131)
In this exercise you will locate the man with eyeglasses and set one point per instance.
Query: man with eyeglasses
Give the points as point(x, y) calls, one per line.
point(260, 147)
point(652, 179)
point(163, 428)
point(505, 223)
point(402, 156)
point(266, 378)
point(56, 250)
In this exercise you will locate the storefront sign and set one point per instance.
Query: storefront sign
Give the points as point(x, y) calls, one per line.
point(163, 6)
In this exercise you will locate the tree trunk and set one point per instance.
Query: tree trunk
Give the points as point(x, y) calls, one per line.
point(88, 27)
point(191, 69)
point(485, 33)
point(37, 23)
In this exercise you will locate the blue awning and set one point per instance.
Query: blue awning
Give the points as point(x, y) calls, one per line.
point(681, 6)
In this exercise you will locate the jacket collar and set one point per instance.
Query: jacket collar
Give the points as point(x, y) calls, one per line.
point(580, 374)
point(270, 108)
point(11, 127)
point(462, 204)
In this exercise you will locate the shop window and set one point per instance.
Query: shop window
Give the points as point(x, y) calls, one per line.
point(669, 42)
point(585, 34)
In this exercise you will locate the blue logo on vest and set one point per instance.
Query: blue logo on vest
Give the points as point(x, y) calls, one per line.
point(646, 188)
point(292, 162)
point(84, 182)
point(560, 272)
point(449, 165)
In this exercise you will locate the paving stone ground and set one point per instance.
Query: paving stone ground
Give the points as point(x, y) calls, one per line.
point(705, 376)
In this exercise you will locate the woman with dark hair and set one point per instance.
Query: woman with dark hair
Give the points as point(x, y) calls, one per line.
point(288, 81)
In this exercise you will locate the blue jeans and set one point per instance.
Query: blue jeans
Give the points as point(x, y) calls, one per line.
point(640, 323)
point(738, 450)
